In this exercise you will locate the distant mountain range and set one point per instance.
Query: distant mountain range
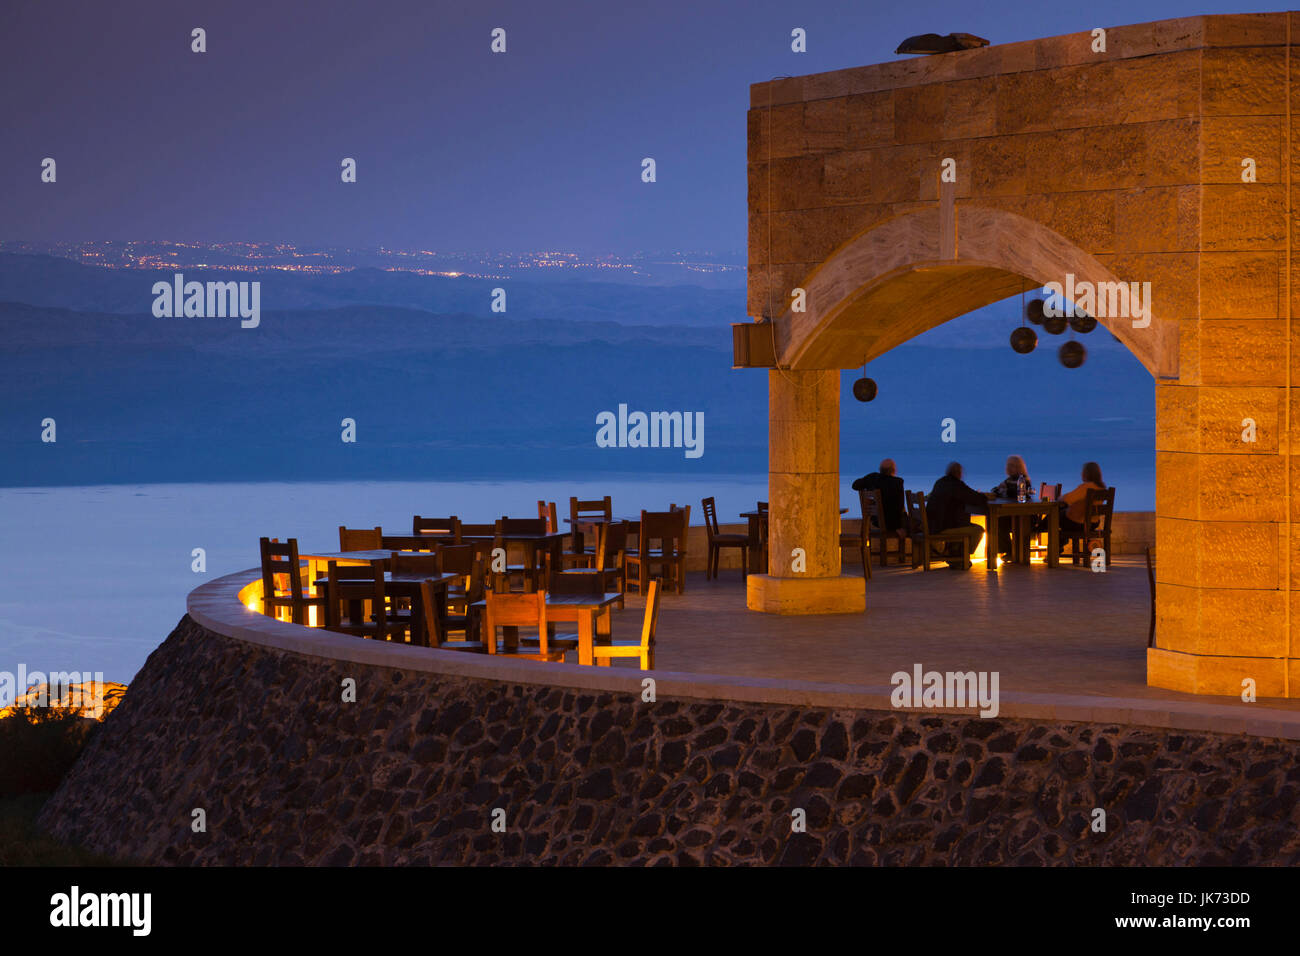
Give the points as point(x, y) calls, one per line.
point(441, 388)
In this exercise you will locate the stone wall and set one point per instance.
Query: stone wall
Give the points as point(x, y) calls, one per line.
point(411, 774)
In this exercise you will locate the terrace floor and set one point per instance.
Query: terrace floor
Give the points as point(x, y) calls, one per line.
point(1065, 631)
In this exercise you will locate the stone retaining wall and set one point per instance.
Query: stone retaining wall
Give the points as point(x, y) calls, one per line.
point(412, 773)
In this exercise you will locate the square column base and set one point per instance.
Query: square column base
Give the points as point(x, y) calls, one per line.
point(1209, 674)
point(845, 594)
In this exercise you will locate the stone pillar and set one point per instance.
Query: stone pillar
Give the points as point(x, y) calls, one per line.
point(804, 500)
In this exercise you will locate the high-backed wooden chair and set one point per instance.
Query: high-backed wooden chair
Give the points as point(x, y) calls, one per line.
point(607, 562)
point(357, 603)
point(468, 561)
point(662, 544)
point(468, 530)
point(1098, 510)
point(528, 563)
point(430, 600)
point(282, 580)
point(645, 647)
point(513, 610)
point(546, 511)
point(360, 539)
point(924, 537)
point(718, 541)
point(596, 510)
point(445, 528)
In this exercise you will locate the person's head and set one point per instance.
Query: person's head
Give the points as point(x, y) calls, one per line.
point(887, 467)
point(1016, 467)
point(1092, 472)
point(953, 470)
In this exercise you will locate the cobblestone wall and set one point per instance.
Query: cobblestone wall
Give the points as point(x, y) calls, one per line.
point(413, 771)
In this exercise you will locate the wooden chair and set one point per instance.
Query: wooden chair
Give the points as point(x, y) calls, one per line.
point(469, 561)
point(608, 561)
point(282, 584)
point(663, 544)
point(477, 530)
point(357, 603)
point(546, 511)
point(922, 539)
point(718, 541)
point(1098, 510)
point(568, 582)
point(644, 648)
point(360, 539)
point(531, 565)
point(861, 541)
point(512, 610)
point(469, 644)
point(760, 542)
point(445, 528)
point(595, 510)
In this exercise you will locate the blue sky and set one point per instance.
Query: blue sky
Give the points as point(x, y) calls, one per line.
point(457, 148)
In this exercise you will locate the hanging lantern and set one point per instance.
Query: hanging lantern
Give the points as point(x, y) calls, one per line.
point(864, 389)
point(1024, 340)
point(1082, 323)
point(1055, 324)
point(1072, 354)
point(1034, 311)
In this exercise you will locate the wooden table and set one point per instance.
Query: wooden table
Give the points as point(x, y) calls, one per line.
point(584, 608)
point(407, 585)
point(1021, 512)
point(551, 541)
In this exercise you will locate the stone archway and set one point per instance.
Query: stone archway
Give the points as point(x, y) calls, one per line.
point(900, 195)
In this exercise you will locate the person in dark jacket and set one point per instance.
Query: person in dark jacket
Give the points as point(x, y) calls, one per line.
point(892, 500)
point(950, 504)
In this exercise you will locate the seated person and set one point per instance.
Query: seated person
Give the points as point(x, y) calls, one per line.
point(892, 499)
point(1076, 502)
point(949, 505)
point(1009, 489)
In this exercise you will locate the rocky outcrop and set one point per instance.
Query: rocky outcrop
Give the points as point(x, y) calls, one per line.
point(422, 766)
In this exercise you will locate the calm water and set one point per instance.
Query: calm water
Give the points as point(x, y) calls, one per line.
point(94, 578)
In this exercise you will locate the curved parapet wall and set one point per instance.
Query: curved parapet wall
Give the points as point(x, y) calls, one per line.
point(244, 718)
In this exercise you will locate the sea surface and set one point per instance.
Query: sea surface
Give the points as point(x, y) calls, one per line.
point(95, 577)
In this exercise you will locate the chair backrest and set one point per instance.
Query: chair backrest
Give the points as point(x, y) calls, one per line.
point(521, 525)
point(870, 506)
point(281, 568)
point(1098, 508)
point(651, 620)
point(615, 543)
point(580, 581)
point(710, 517)
point(1056, 492)
point(515, 610)
point(467, 560)
point(602, 508)
point(546, 511)
point(666, 527)
point(477, 530)
point(351, 583)
point(429, 601)
point(360, 539)
point(916, 511)
point(414, 563)
point(408, 542)
point(444, 527)
point(762, 506)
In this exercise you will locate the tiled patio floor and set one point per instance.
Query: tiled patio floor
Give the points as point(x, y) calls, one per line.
point(1067, 630)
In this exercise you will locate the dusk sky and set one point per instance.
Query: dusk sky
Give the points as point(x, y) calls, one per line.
point(457, 148)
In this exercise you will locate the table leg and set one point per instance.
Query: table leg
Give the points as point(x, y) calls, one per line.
point(991, 539)
point(1054, 536)
point(586, 639)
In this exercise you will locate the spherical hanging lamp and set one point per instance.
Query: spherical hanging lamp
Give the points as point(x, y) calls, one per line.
point(864, 389)
point(1024, 340)
point(1054, 324)
point(1072, 354)
point(1034, 311)
point(1082, 323)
